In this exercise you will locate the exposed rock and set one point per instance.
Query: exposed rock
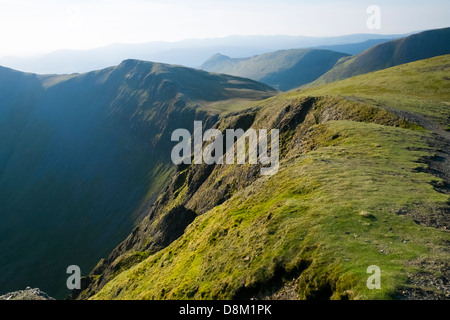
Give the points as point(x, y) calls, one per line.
point(27, 294)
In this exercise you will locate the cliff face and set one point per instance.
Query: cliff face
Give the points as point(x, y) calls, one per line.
point(83, 156)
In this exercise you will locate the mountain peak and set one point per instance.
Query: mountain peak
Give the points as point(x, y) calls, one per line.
point(127, 63)
point(219, 56)
point(216, 59)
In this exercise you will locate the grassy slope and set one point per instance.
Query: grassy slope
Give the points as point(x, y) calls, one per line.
point(412, 48)
point(335, 208)
point(312, 198)
point(422, 87)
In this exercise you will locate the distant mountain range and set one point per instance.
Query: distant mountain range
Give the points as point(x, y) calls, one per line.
point(283, 70)
point(81, 156)
point(353, 48)
point(419, 46)
point(191, 53)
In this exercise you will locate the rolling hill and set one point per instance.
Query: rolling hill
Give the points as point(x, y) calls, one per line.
point(284, 70)
point(83, 156)
point(419, 46)
point(363, 181)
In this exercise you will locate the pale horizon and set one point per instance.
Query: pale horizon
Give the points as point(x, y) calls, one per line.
point(194, 39)
point(40, 27)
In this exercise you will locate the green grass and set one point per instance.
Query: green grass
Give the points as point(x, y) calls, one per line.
point(325, 217)
point(228, 106)
point(422, 87)
point(415, 47)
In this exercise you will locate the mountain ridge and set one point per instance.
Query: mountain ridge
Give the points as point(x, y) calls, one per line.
point(83, 155)
point(418, 46)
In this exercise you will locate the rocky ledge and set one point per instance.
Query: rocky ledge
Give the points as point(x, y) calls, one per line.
point(27, 294)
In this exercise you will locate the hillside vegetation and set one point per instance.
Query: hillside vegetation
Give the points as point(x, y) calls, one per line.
point(422, 87)
point(363, 181)
point(419, 46)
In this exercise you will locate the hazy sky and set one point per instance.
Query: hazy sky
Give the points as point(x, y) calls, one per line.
point(37, 26)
